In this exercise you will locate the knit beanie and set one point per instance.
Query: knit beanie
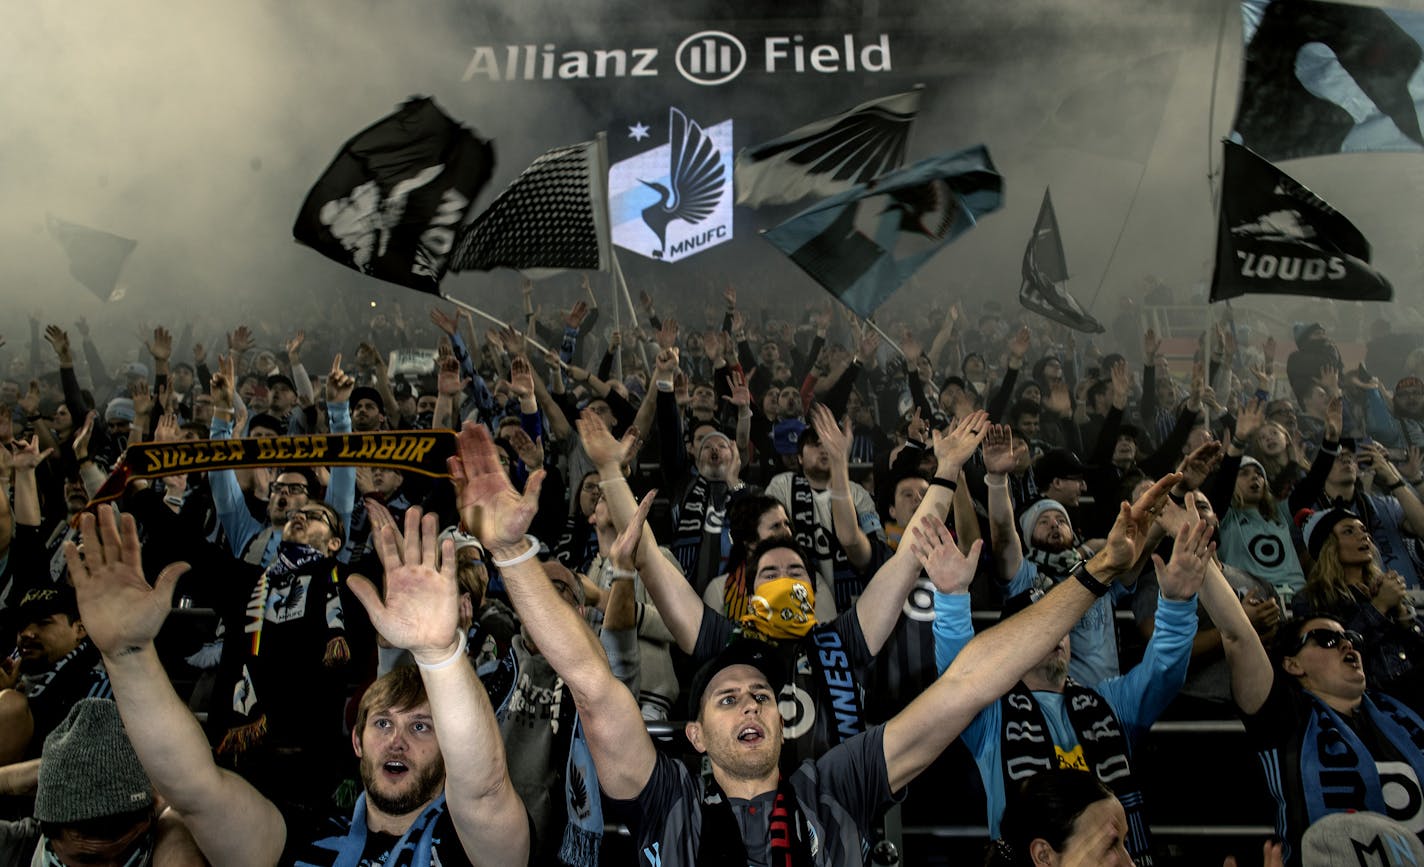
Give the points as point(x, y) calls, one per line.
point(1031, 515)
point(88, 769)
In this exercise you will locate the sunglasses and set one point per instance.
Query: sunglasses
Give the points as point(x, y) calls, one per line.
point(1329, 639)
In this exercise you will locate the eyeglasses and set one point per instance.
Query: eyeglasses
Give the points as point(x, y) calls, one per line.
point(292, 488)
point(1329, 639)
point(321, 515)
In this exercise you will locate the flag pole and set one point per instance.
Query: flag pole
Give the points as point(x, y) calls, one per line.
point(501, 323)
point(886, 338)
point(617, 326)
point(632, 311)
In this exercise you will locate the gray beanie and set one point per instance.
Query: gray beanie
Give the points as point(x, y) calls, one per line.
point(1031, 515)
point(88, 769)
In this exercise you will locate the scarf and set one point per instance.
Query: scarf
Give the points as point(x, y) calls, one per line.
point(720, 843)
point(1026, 748)
point(415, 848)
point(281, 596)
point(1337, 771)
point(701, 542)
point(838, 701)
point(68, 674)
point(811, 536)
point(782, 609)
point(584, 832)
point(1055, 565)
point(577, 544)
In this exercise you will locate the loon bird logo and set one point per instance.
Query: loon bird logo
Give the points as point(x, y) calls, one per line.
point(673, 199)
point(696, 176)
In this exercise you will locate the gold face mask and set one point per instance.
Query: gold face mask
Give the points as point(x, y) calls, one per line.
point(782, 608)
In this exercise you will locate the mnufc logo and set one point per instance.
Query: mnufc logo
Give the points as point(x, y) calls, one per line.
point(674, 200)
point(709, 58)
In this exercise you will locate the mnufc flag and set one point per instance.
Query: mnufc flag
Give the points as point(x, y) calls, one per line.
point(1275, 237)
point(1324, 78)
point(1045, 275)
point(863, 244)
point(831, 155)
point(553, 217)
point(394, 199)
point(95, 257)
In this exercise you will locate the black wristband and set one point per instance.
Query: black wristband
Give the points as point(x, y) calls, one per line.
point(1399, 483)
point(951, 484)
point(1179, 499)
point(1098, 588)
point(1238, 442)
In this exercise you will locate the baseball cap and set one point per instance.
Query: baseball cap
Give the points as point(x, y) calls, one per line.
point(366, 392)
point(1057, 464)
point(1343, 838)
point(786, 435)
point(742, 651)
point(41, 602)
point(276, 379)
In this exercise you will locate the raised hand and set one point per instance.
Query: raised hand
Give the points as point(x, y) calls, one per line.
point(444, 321)
point(1334, 418)
point(421, 609)
point(58, 340)
point(665, 366)
point(200, 355)
point(835, 440)
point(1151, 344)
point(1413, 465)
point(29, 402)
point(918, 429)
point(161, 344)
point(223, 382)
point(949, 570)
point(241, 339)
point(666, 336)
point(448, 380)
point(82, 326)
point(528, 450)
point(489, 506)
point(339, 384)
point(367, 356)
point(1330, 380)
point(1192, 548)
point(741, 395)
point(1058, 399)
point(729, 295)
point(599, 444)
point(1119, 383)
point(80, 443)
point(956, 445)
point(294, 347)
point(167, 430)
point(28, 455)
point(142, 396)
point(521, 377)
point(999, 450)
point(869, 343)
point(576, 315)
point(121, 612)
point(1019, 343)
point(712, 347)
point(1128, 535)
point(381, 517)
point(1196, 466)
point(624, 550)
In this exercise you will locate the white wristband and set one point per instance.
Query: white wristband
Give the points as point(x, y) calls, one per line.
point(527, 555)
point(448, 661)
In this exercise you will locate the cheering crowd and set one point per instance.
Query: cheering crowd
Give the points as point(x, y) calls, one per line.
point(732, 586)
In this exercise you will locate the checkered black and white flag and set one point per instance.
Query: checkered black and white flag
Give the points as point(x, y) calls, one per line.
point(553, 217)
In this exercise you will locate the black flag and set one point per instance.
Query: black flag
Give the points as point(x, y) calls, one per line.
point(1275, 237)
point(394, 199)
point(1044, 289)
point(95, 257)
point(1322, 78)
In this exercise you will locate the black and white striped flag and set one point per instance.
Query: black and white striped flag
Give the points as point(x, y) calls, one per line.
point(553, 217)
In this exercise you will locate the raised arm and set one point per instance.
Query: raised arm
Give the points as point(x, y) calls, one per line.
point(672, 594)
point(880, 605)
point(490, 508)
point(421, 613)
point(836, 441)
point(1003, 533)
point(232, 823)
point(990, 665)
